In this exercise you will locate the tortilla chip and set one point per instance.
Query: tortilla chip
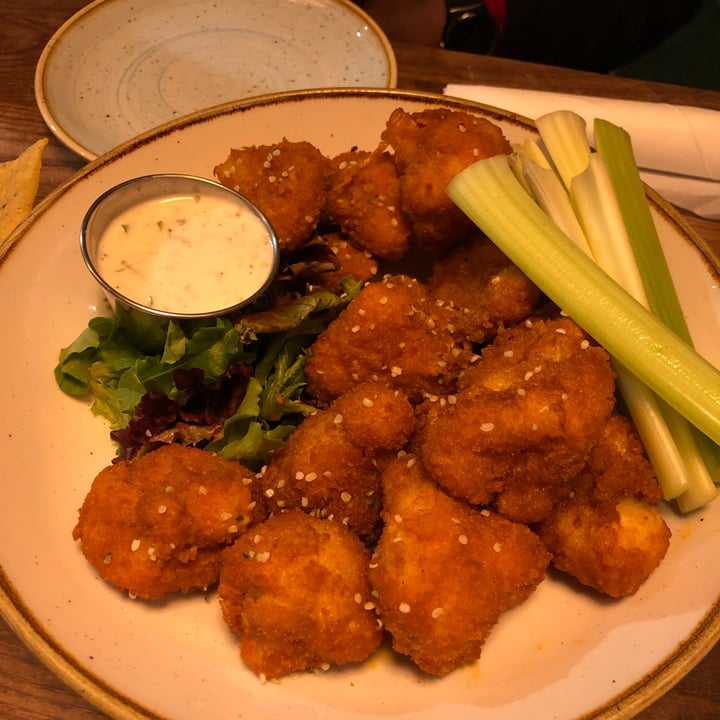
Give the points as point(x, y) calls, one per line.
point(19, 180)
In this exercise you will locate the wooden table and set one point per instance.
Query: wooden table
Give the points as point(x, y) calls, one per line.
point(28, 691)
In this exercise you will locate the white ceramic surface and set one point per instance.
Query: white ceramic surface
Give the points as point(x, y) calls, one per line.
point(562, 655)
point(120, 67)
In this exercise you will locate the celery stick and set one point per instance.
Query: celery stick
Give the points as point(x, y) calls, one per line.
point(615, 148)
point(494, 200)
point(611, 205)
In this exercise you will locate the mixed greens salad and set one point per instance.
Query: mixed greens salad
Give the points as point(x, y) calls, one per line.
point(232, 385)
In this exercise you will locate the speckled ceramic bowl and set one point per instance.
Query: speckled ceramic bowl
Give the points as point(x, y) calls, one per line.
point(120, 67)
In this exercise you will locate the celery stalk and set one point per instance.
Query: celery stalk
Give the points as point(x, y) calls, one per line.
point(612, 208)
point(615, 149)
point(494, 200)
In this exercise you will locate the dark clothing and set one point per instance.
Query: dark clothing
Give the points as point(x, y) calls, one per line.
point(590, 35)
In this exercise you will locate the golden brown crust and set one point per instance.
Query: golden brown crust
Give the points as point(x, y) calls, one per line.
point(430, 148)
point(296, 591)
point(286, 180)
point(389, 333)
point(364, 201)
point(444, 572)
point(481, 290)
point(524, 419)
point(158, 524)
point(610, 534)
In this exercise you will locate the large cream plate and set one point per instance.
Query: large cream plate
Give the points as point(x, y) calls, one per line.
point(564, 654)
point(120, 67)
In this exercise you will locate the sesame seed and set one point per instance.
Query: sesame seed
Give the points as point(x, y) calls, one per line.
point(403, 607)
point(409, 464)
point(437, 612)
point(497, 547)
point(225, 516)
point(462, 539)
point(508, 354)
point(202, 490)
point(521, 392)
point(338, 419)
point(262, 557)
point(398, 518)
point(299, 475)
point(584, 345)
point(135, 544)
point(169, 489)
point(346, 497)
point(487, 427)
point(311, 476)
point(369, 606)
point(367, 402)
point(162, 509)
point(269, 493)
point(358, 598)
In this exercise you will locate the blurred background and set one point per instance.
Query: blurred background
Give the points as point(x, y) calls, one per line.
point(691, 56)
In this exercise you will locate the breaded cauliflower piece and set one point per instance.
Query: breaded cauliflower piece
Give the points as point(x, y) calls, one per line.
point(286, 180)
point(158, 524)
point(364, 201)
point(329, 468)
point(431, 147)
point(444, 572)
point(523, 421)
point(390, 333)
point(481, 290)
point(353, 262)
point(296, 591)
point(610, 534)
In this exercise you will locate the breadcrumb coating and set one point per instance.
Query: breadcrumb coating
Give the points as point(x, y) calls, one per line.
point(523, 421)
point(610, 534)
point(364, 201)
point(296, 591)
point(286, 180)
point(329, 466)
point(390, 333)
point(431, 147)
point(158, 524)
point(444, 572)
point(481, 290)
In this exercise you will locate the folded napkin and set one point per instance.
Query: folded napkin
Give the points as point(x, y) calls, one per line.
point(677, 147)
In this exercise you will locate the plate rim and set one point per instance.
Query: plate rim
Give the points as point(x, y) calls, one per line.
point(623, 706)
point(77, 146)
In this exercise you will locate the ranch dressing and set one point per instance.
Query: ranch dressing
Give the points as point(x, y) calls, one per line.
point(188, 254)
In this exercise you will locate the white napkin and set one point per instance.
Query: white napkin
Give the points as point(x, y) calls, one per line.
point(677, 147)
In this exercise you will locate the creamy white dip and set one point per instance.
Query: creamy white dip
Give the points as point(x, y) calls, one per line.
point(188, 254)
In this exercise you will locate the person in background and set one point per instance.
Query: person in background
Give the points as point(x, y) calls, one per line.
point(580, 34)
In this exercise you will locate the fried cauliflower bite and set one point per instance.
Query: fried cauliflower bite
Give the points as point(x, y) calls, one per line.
point(481, 289)
point(328, 467)
point(158, 524)
point(443, 572)
point(353, 262)
point(296, 591)
point(285, 180)
point(390, 333)
point(364, 201)
point(523, 421)
point(431, 147)
point(610, 534)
